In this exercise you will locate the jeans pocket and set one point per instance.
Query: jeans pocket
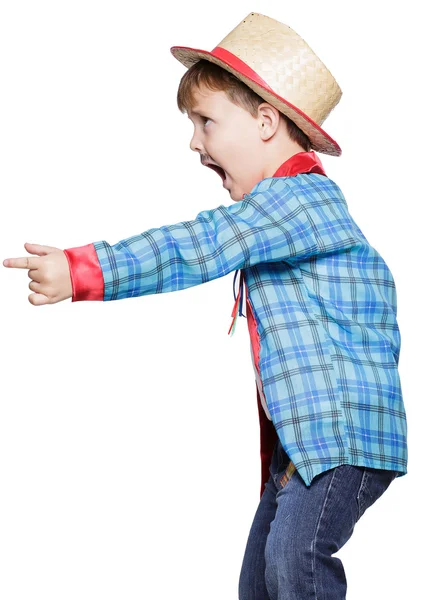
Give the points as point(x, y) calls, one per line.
point(374, 483)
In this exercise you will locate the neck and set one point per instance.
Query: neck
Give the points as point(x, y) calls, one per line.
point(279, 157)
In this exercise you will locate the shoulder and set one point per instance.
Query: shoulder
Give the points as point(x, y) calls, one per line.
point(303, 185)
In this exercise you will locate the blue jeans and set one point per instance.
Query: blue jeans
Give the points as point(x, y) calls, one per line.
point(297, 529)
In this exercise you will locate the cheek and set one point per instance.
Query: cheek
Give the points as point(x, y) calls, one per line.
point(240, 160)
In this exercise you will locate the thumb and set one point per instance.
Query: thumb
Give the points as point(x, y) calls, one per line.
point(38, 299)
point(39, 249)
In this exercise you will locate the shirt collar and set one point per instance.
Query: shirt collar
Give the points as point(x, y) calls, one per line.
point(302, 162)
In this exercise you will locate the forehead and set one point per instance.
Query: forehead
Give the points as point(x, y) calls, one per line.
point(202, 100)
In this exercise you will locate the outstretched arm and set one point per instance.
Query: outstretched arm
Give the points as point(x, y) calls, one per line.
point(266, 226)
point(275, 222)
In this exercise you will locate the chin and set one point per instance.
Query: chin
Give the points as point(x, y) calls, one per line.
point(235, 193)
point(235, 196)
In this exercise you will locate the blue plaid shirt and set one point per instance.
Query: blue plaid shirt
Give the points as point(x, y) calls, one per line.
point(324, 302)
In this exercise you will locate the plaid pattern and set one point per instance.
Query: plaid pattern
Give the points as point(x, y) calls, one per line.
point(325, 306)
point(287, 474)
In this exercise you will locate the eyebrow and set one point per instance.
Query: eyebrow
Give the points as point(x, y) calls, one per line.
point(196, 111)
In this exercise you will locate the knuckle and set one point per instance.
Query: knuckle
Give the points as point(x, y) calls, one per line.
point(45, 268)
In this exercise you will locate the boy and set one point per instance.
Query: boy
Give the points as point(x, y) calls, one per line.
point(320, 301)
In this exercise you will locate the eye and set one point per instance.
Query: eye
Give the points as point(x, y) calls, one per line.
point(205, 119)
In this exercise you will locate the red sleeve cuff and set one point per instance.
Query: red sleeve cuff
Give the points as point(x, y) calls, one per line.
point(86, 274)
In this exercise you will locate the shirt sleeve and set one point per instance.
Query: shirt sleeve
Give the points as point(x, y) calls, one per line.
point(268, 225)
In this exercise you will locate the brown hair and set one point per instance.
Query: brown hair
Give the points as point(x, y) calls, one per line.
point(206, 73)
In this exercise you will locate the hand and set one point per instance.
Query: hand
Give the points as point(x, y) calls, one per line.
point(49, 271)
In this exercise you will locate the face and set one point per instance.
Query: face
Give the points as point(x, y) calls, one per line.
point(230, 137)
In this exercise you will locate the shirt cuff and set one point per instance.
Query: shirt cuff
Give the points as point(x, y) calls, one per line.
point(86, 274)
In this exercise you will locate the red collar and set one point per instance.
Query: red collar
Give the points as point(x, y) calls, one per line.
point(302, 162)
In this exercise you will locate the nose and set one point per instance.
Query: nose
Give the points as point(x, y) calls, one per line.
point(195, 142)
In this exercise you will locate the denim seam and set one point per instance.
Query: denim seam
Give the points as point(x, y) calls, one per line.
point(313, 549)
point(360, 495)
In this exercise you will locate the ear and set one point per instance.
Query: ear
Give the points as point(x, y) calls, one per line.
point(268, 120)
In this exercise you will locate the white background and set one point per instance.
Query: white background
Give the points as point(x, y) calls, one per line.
point(93, 503)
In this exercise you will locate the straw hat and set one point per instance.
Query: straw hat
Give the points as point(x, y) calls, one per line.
point(277, 64)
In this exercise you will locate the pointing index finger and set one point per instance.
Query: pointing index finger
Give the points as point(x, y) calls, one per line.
point(25, 262)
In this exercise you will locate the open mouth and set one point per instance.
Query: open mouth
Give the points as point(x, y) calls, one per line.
point(219, 170)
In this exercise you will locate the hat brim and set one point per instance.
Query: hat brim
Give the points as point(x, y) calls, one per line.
point(320, 140)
